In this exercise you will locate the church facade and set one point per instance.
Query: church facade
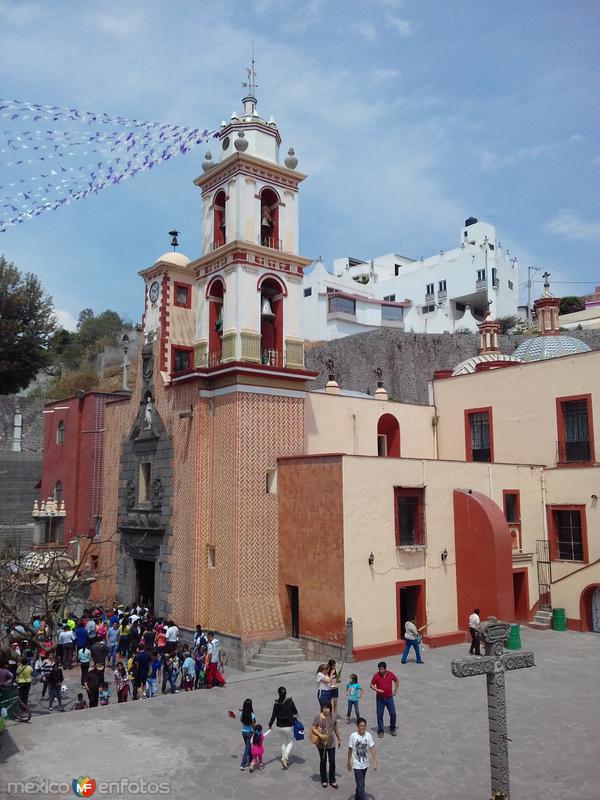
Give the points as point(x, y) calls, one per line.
point(237, 498)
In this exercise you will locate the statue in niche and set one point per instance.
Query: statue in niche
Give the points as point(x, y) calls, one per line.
point(156, 493)
point(148, 415)
point(130, 495)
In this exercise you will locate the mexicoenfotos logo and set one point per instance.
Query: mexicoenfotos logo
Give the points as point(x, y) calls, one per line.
point(84, 787)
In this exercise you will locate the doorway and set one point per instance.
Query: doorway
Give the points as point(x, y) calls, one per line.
point(292, 592)
point(521, 595)
point(410, 603)
point(144, 583)
point(596, 611)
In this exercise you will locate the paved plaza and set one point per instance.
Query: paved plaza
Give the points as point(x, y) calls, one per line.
point(440, 753)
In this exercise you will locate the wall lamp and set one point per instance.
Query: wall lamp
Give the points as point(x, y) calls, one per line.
point(371, 559)
point(444, 555)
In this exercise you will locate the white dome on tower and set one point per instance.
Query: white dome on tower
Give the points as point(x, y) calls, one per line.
point(176, 259)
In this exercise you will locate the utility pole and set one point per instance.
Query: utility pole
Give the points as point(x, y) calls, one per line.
point(529, 269)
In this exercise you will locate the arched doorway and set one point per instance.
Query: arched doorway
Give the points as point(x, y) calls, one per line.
point(589, 608)
point(388, 436)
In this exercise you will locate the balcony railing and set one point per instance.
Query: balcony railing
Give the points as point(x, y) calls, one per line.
point(269, 241)
point(480, 284)
point(578, 452)
point(429, 297)
point(214, 359)
point(496, 283)
point(442, 294)
point(481, 454)
point(216, 244)
point(272, 358)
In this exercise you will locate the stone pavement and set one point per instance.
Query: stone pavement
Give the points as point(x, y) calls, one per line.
point(441, 752)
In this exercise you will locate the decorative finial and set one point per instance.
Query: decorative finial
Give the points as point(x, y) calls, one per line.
point(208, 162)
point(174, 234)
point(330, 367)
point(291, 161)
point(250, 82)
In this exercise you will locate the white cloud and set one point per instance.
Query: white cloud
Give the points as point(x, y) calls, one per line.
point(576, 137)
point(383, 75)
point(366, 30)
point(570, 225)
point(490, 160)
point(401, 26)
point(65, 319)
point(119, 25)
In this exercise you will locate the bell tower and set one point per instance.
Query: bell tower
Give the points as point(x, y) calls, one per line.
point(249, 276)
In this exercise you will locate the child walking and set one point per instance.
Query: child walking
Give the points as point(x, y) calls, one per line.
point(354, 693)
point(104, 694)
point(257, 748)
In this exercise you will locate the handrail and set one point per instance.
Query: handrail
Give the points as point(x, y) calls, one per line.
point(580, 569)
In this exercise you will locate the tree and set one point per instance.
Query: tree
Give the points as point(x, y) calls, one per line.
point(26, 324)
point(571, 304)
point(507, 324)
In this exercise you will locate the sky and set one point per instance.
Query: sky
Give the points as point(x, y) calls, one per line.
point(408, 117)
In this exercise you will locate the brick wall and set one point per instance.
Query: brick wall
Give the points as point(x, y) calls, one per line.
point(408, 360)
point(311, 550)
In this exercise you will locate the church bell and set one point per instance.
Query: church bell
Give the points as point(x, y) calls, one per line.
point(266, 311)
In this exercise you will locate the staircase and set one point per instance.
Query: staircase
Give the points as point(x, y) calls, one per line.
point(275, 654)
point(542, 620)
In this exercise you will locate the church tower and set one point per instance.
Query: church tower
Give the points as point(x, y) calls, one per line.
point(249, 278)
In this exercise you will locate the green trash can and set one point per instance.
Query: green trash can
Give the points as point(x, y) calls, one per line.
point(9, 700)
point(559, 619)
point(514, 638)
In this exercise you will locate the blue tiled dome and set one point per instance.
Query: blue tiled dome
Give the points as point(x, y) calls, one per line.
point(538, 348)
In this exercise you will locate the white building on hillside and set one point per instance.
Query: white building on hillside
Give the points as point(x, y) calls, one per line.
point(445, 292)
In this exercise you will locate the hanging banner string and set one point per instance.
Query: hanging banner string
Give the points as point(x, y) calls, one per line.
point(43, 169)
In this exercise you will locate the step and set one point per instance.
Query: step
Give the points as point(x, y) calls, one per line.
point(539, 626)
point(282, 651)
point(543, 614)
point(266, 661)
point(283, 644)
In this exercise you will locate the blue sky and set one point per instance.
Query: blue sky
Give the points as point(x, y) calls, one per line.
point(407, 116)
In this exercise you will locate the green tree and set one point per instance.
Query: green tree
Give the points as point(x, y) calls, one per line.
point(26, 324)
point(507, 324)
point(571, 304)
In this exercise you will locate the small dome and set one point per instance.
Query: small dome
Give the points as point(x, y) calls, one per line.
point(538, 348)
point(177, 259)
point(469, 365)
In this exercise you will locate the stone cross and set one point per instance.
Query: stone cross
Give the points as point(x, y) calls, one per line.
point(493, 665)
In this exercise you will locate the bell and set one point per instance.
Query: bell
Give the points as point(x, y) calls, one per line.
point(266, 311)
point(219, 321)
point(265, 221)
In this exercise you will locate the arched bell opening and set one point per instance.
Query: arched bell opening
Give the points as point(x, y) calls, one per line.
point(269, 219)
point(215, 297)
point(219, 225)
point(272, 295)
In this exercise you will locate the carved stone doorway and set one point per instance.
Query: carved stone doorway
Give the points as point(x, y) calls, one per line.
point(145, 582)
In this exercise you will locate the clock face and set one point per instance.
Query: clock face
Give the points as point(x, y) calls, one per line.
point(225, 144)
point(154, 291)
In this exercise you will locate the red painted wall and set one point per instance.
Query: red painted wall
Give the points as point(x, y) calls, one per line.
point(483, 559)
point(77, 462)
point(311, 549)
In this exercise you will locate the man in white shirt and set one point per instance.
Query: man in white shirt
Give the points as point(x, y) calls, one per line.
point(360, 745)
point(473, 627)
point(213, 651)
point(66, 641)
point(172, 634)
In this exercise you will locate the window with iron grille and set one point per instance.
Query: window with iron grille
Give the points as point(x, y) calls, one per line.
point(429, 288)
point(390, 298)
point(568, 534)
point(392, 313)
point(181, 360)
point(410, 517)
point(442, 286)
point(511, 507)
point(479, 436)
point(574, 432)
point(308, 291)
point(480, 274)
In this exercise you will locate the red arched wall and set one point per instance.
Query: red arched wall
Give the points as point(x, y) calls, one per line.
point(389, 427)
point(483, 559)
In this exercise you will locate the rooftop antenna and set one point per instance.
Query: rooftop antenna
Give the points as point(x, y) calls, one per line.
point(174, 234)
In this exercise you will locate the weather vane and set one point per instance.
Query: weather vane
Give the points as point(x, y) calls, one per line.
point(250, 83)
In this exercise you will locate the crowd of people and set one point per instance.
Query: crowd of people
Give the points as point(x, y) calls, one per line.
point(122, 654)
